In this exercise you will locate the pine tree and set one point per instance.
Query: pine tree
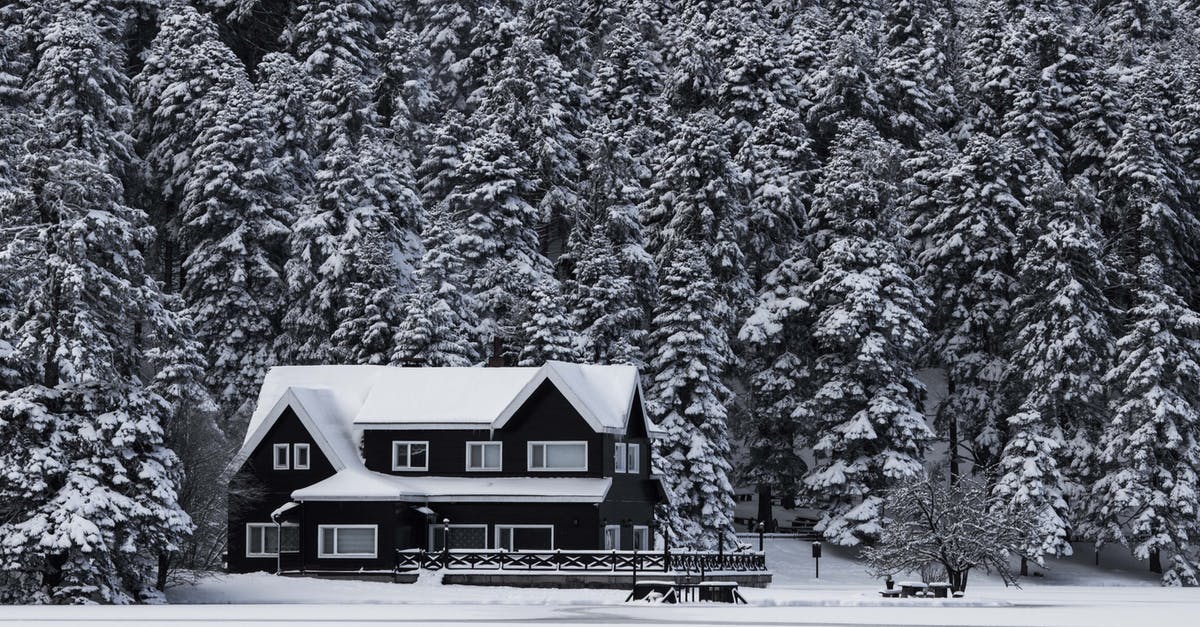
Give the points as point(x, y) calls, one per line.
point(969, 266)
point(844, 89)
point(336, 43)
point(626, 87)
point(548, 331)
point(867, 429)
point(440, 326)
point(699, 197)
point(495, 232)
point(758, 79)
point(777, 352)
point(409, 105)
point(779, 167)
point(612, 277)
point(1150, 449)
point(178, 94)
point(914, 73)
point(535, 101)
point(689, 354)
point(1061, 347)
point(281, 93)
point(353, 250)
point(233, 229)
point(96, 503)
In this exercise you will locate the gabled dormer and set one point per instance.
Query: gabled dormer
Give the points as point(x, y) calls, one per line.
point(290, 446)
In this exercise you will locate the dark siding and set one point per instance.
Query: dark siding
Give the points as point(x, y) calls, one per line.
point(547, 415)
point(575, 524)
point(263, 489)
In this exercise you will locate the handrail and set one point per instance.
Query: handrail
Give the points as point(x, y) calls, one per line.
point(578, 561)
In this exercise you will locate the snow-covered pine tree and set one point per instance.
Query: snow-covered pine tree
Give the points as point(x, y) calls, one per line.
point(699, 196)
point(408, 103)
point(1145, 162)
point(1061, 348)
point(282, 96)
point(868, 431)
point(1146, 497)
point(844, 88)
point(440, 326)
point(626, 90)
point(534, 100)
point(914, 77)
point(968, 259)
point(758, 78)
point(353, 250)
point(495, 230)
point(548, 331)
point(779, 166)
point(435, 174)
point(96, 501)
point(337, 45)
point(178, 94)
point(991, 60)
point(777, 353)
point(691, 83)
point(612, 277)
point(233, 227)
point(689, 354)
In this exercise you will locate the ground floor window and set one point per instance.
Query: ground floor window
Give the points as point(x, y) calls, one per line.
point(641, 538)
point(612, 537)
point(263, 539)
point(347, 540)
point(525, 537)
point(461, 537)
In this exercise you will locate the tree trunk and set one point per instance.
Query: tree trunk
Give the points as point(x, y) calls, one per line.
point(1155, 562)
point(952, 433)
point(164, 567)
point(1024, 566)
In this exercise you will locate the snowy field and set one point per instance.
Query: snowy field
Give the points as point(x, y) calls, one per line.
point(1071, 592)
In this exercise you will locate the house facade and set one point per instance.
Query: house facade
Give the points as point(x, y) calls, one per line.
point(341, 465)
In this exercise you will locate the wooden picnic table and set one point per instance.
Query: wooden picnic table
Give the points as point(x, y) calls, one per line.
point(912, 588)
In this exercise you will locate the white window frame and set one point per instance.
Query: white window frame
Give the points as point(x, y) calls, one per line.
point(409, 444)
point(644, 530)
point(633, 454)
point(439, 529)
point(616, 538)
point(619, 457)
point(261, 528)
point(296, 448)
point(513, 527)
point(543, 443)
point(322, 529)
point(483, 455)
point(287, 457)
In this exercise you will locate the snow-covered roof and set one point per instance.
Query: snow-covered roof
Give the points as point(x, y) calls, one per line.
point(337, 402)
point(364, 485)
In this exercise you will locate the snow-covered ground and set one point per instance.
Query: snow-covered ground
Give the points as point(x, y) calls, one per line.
point(1072, 592)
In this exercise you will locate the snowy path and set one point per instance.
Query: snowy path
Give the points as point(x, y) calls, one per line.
point(844, 595)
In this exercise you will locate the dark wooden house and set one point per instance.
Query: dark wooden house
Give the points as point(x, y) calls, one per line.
point(341, 465)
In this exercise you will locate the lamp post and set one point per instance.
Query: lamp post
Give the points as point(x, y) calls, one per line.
point(761, 531)
point(445, 534)
point(816, 548)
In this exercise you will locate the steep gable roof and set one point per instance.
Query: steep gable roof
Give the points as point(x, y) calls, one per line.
point(336, 402)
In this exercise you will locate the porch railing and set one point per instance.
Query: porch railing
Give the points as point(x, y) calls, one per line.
point(579, 561)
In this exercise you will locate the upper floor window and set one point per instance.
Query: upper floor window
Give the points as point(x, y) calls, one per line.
point(282, 456)
point(484, 455)
point(410, 455)
point(547, 456)
point(627, 457)
point(300, 456)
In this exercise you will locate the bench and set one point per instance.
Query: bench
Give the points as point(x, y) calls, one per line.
point(889, 594)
